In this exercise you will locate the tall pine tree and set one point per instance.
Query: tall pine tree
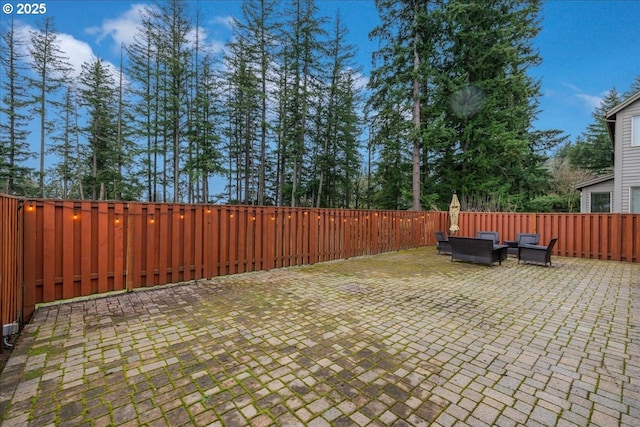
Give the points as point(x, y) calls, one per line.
point(98, 95)
point(51, 67)
point(14, 147)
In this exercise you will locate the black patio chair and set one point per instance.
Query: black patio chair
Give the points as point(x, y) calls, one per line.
point(536, 254)
point(442, 243)
point(489, 235)
point(521, 239)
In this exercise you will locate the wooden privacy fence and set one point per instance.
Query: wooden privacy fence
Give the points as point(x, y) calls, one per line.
point(79, 248)
point(608, 236)
point(53, 249)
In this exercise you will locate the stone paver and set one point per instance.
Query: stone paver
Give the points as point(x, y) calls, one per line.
point(404, 339)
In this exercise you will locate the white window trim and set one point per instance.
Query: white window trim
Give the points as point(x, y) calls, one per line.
point(631, 197)
point(635, 131)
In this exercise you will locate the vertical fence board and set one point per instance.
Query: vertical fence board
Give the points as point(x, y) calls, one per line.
point(68, 260)
point(151, 253)
point(118, 247)
point(141, 228)
point(11, 212)
point(615, 238)
point(83, 232)
point(49, 247)
point(129, 255)
point(233, 240)
point(258, 240)
point(198, 243)
point(176, 223)
point(241, 239)
point(264, 239)
point(29, 250)
point(102, 247)
point(253, 243)
point(158, 223)
point(188, 242)
point(290, 237)
point(626, 233)
point(224, 241)
point(214, 235)
point(207, 243)
point(634, 256)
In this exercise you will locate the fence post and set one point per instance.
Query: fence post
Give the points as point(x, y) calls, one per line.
point(130, 254)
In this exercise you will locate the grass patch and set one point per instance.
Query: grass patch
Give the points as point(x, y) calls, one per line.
point(34, 351)
point(33, 374)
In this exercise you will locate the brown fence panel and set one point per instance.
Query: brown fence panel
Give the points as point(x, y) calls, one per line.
point(598, 236)
point(630, 237)
point(11, 261)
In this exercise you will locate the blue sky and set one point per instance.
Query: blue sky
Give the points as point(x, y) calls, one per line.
point(587, 47)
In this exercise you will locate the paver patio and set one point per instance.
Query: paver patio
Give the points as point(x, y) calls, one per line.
point(406, 338)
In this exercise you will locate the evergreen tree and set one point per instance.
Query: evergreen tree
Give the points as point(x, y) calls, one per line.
point(98, 95)
point(14, 147)
point(148, 116)
point(68, 172)
point(492, 100)
point(171, 27)
point(593, 149)
point(244, 114)
point(401, 80)
point(260, 32)
point(339, 124)
point(176, 24)
point(52, 69)
point(303, 62)
point(633, 89)
point(206, 159)
point(162, 69)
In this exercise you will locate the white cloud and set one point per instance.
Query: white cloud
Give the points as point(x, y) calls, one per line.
point(210, 46)
point(226, 21)
point(121, 29)
point(573, 87)
point(361, 81)
point(592, 101)
point(76, 51)
point(589, 101)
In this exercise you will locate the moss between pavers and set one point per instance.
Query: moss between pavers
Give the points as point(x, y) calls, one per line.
point(395, 264)
point(33, 374)
point(35, 351)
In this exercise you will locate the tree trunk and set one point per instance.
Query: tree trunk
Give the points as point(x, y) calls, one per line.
point(416, 134)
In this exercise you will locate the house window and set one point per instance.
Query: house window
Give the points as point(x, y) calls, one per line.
point(600, 202)
point(635, 199)
point(635, 131)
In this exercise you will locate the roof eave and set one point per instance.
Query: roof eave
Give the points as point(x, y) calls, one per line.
point(624, 104)
point(597, 180)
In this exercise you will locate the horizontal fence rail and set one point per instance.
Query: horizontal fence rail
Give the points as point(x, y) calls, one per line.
point(53, 249)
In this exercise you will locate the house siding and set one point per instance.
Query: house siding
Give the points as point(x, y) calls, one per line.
point(627, 159)
point(585, 198)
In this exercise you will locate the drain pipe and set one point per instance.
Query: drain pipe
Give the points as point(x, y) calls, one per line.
point(7, 345)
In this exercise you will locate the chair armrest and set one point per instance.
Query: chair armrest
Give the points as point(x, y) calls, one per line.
point(538, 247)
